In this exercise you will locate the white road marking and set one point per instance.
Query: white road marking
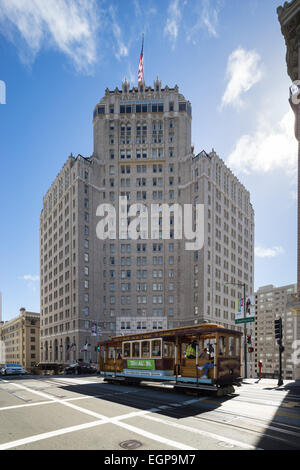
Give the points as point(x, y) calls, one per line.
point(12, 407)
point(151, 436)
point(103, 419)
point(118, 421)
point(47, 435)
point(203, 433)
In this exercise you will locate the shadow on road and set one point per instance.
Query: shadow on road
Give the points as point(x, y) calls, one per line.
point(287, 416)
point(143, 397)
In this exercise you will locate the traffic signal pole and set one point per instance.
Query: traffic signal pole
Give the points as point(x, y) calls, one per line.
point(278, 336)
point(245, 332)
point(245, 328)
point(280, 381)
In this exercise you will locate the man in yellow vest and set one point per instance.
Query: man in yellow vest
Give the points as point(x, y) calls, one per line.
point(190, 352)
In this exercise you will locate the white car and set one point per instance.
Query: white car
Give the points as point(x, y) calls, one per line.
point(12, 369)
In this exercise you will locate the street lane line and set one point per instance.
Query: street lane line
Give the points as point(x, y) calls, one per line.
point(153, 437)
point(103, 419)
point(12, 407)
point(203, 433)
point(144, 413)
point(48, 435)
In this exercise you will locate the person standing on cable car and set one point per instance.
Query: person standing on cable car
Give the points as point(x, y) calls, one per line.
point(190, 352)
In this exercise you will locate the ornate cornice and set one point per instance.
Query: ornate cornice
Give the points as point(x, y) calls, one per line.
point(289, 19)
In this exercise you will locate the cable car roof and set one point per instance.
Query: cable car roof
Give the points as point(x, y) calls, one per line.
point(188, 332)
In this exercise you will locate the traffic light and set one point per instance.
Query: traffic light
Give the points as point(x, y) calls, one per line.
point(250, 350)
point(278, 329)
point(249, 339)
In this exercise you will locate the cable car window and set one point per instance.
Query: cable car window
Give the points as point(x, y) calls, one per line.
point(146, 349)
point(156, 348)
point(110, 353)
point(237, 346)
point(231, 346)
point(221, 345)
point(168, 350)
point(135, 349)
point(119, 353)
point(126, 349)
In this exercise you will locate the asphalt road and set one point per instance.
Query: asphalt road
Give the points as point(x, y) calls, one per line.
point(85, 413)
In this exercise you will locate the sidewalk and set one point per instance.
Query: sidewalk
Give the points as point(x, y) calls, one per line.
point(287, 384)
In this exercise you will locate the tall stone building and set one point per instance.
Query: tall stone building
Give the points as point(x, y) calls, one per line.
point(271, 304)
point(142, 153)
point(21, 339)
point(289, 18)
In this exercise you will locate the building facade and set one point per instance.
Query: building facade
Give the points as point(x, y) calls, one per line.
point(21, 339)
point(143, 154)
point(289, 19)
point(271, 304)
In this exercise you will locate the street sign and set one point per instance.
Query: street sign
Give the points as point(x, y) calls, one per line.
point(244, 320)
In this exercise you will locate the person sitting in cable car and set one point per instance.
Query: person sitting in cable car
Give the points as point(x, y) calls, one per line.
point(208, 365)
point(204, 354)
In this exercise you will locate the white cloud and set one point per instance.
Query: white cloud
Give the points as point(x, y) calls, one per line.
point(210, 16)
point(269, 148)
point(31, 281)
point(173, 20)
point(137, 8)
point(244, 70)
point(207, 14)
point(261, 252)
point(67, 25)
point(30, 277)
point(122, 49)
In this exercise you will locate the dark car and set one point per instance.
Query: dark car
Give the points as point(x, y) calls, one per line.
point(80, 368)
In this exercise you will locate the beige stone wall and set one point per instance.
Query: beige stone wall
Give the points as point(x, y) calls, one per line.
point(21, 337)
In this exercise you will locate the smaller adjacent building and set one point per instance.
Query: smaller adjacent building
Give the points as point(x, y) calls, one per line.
point(272, 304)
point(20, 339)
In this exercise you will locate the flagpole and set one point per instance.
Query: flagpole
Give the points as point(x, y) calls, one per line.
point(141, 64)
point(143, 60)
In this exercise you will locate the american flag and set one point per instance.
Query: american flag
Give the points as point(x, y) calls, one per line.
point(141, 65)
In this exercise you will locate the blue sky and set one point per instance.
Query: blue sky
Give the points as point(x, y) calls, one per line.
point(226, 56)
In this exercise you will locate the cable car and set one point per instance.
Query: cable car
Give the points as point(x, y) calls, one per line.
point(201, 357)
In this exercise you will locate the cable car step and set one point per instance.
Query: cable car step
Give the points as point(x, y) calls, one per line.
point(114, 379)
point(196, 387)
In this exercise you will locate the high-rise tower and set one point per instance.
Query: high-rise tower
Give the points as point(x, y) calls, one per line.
point(142, 153)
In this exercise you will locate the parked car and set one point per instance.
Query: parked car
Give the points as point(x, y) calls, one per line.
point(12, 369)
point(80, 368)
